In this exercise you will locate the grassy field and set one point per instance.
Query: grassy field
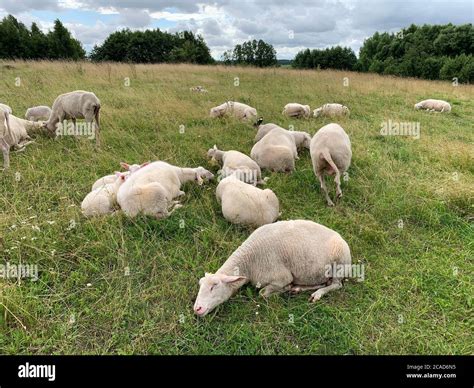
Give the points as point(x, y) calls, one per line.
point(118, 286)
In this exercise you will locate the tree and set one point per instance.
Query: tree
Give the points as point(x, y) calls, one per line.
point(252, 52)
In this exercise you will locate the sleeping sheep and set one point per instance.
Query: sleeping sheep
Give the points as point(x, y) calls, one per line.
point(285, 256)
point(104, 199)
point(434, 105)
point(296, 110)
point(236, 109)
point(245, 204)
point(38, 113)
point(129, 168)
point(151, 189)
point(331, 110)
point(331, 154)
point(75, 105)
point(278, 149)
point(235, 162)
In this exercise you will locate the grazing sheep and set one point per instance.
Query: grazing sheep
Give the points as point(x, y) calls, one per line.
point(296, 110)
point(38, 113)
point(14, 132)
point(245, 204)
point(6, 108)
point(290, 256)
point(331, 110)
point(434, 105)
point(151, 189)
point(75, 105)
point(263, 129)
point(104, 199)
point(278, 149)
point(105, 180)
point(198, 89)
point(236, 109)
point(235, 162)
point(331, 154)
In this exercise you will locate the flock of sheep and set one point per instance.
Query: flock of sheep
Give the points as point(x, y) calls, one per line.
point(278, 256)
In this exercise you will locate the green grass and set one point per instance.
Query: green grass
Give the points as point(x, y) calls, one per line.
point(417, 296)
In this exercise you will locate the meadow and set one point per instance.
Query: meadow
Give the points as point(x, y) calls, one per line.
point(114, 285)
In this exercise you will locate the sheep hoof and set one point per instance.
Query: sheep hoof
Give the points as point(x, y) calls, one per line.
point(330, 203)
point(315, 296)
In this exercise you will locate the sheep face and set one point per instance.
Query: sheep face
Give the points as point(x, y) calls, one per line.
point(214, 289)
point(215, 112)
point(317, 112)
point(203, 174)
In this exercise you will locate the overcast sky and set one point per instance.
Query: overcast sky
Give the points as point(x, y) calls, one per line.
point(290, 25)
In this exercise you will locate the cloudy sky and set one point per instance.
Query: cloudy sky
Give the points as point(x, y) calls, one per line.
point(290, 25)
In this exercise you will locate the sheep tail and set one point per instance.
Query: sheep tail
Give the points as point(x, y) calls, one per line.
point(8, 133)
point(327, 157)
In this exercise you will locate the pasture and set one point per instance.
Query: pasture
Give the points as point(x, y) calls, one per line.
point(113, 285)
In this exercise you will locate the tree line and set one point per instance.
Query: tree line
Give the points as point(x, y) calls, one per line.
point(253, 52)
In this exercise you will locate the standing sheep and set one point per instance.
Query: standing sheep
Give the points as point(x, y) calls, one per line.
point(151, 190)
point(38, 113)
point(245, 204)
point(243, 166)
point(75, 105)
point(331, 110)
point(296, 110)
point(290, 256)
point(236, 109)
point(331, 154)
point(434, 105)
point(102, 200)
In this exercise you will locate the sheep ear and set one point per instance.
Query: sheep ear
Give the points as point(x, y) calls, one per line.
point(215, 147)
point(124, 165)
point(231, 279)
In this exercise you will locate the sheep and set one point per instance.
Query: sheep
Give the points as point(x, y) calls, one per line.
point(6, 108)
point(198, 89)
point(331, 154)
point(263, 129)
point(151, 189)
point(236, 109)
point(38, 113)
point(331, 110)
point(434, 105)
point(75, 105)
point(104, 199)
point(245, 204)
point(294, 256)
point(130, 168)
point(14, 132)
point(296, 110)
point(235, 162)
point(278, 149)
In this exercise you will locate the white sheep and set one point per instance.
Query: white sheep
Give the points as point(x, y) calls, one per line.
point(263, 129)
point(6, 108)
point(14, 132)
point(331, 110)
point(236, 109)
point(331, 154)
point(278, 149)
point(38, 113)
point(296, 110)
point(235, 162)
point(105, 180)
point(104, 199)
point(151, 189)
point(285, 256)
point(434, 105)
point(75, 105)
point(245, 204)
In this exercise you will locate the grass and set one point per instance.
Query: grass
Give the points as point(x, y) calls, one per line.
point(118, 286)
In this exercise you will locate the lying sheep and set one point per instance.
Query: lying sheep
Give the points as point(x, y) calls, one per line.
point(245, 204)
point(75, 105)
point(331, 110)
point(6, 108)
point(103, 200)
point(278, 149)
point(290, 256)
point(38, 113)
point(236, 109)
point(296, 110)
point(15, 132)
point(151, 190)
point(331, 154)
point(198, 89)
point(105, 180)
point(434, 105)
point(235, 162)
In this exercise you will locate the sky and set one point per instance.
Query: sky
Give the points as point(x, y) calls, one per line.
point(290, 25)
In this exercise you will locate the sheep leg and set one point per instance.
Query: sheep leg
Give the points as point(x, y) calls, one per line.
point(325, 190)
point(6, 153)
point(296, 289)
point(271, 289)
point(337, 179)
point(315, 296)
